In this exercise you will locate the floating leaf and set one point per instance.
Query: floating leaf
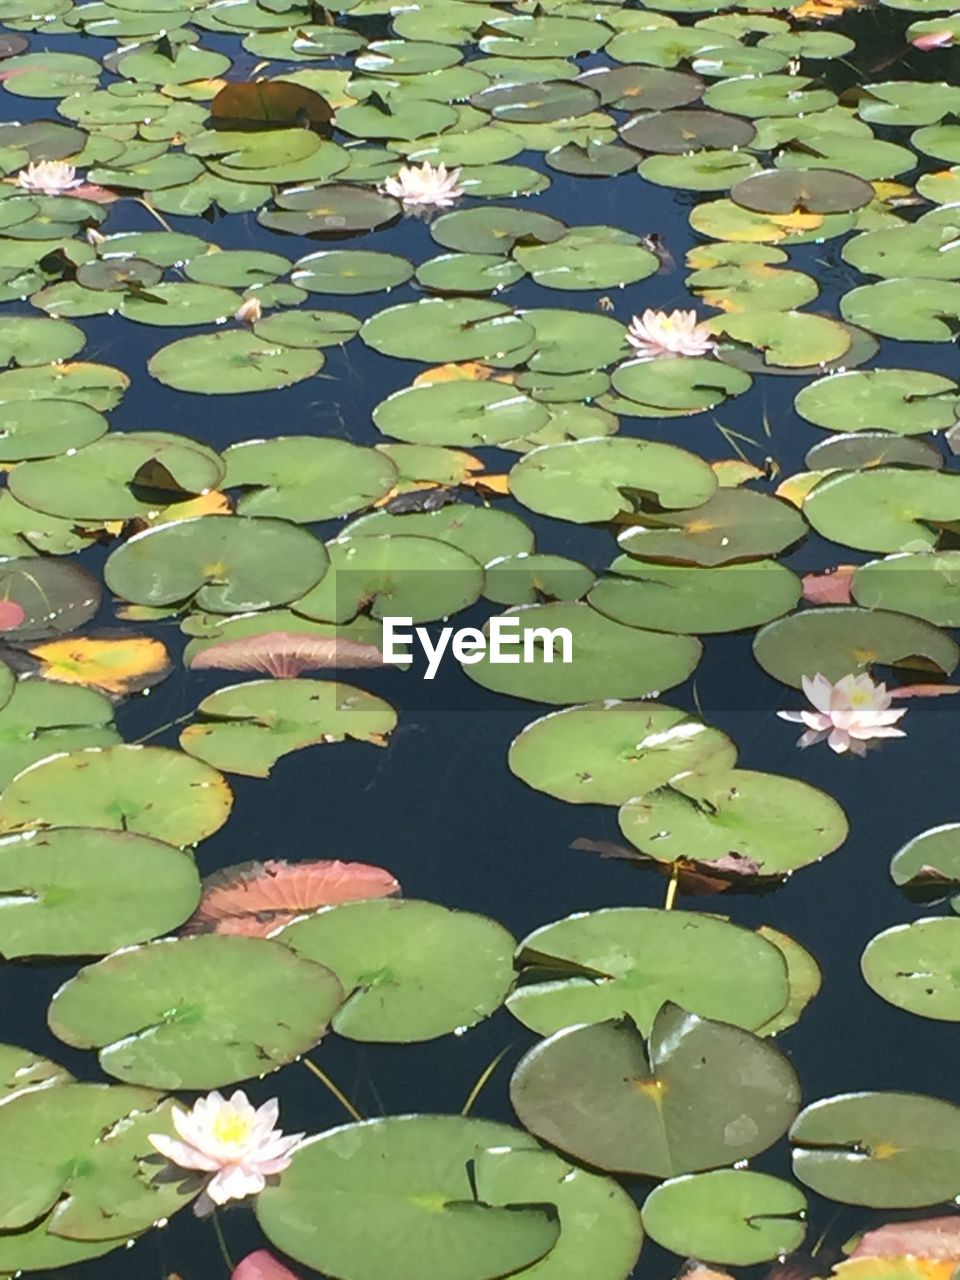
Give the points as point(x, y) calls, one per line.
point(119, 666)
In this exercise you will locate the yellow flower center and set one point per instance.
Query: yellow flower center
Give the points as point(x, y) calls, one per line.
point(231, 1128)
point(861, 698)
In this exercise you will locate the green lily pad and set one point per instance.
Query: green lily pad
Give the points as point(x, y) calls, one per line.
point(599, 1223)
point(30, 340)
point(399, 576)
point(118, 477)
point(496, 230)
point(230, 564)
point(307, 328)
point(412, 970)
point(305, 479)
point(469, 273)
point(802, 191)
point(196, 1013)
point(484, 533)
point(731, 1216)
point(588, 258)
point(332, 208)
point(574, 342)
point(773, 823)
point(98, 385)
point(921, 251)
point(686, 384)
point(915, 967)
point(884, 1150)
point(150, 791)
point(859, 449)
point(768, 95)
point(908, 401)
point(930, 862)
point(607, 752)
point(233, 362)
point(790, 339)
point(409, 1177)
point(464, 413)
point(839, 641)
point(911, 310)
point(735, 524)
point(884, 508)
point(76, 891)
point(629, 961)
point(679, 132)
point(696, 1094)
point(22, 1070)
point(247, 727)
point(350, 271)
point(695, 601)
point(607, 660)
point(42, 719)
point(714, 170)
point(55, 1129)
point(527, 579)
point(922, 584)
point(803, 975)
point(594, 479)
point(439, 329)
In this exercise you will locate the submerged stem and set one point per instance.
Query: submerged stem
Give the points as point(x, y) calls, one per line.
point(337, 1092)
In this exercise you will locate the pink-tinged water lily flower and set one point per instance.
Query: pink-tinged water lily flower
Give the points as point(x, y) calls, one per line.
point(237, 1144)
point(425, 185)
point(49, 177)
point(262, 1265)
point(249, 312)
point(847, 714)
point(932, 40)
point(656, 334)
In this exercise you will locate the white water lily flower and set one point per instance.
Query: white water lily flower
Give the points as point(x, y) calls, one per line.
point(847, 714)
point(425, 185)
point(236, 1143)
point(49, 177)
point(656, 334)
point(249, 312)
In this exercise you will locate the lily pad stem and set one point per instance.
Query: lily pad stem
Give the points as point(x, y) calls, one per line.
point(671, 897)
point(338, 1093)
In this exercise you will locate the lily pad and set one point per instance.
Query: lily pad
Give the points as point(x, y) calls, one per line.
point(915, 967)
point(305, 479)
point(466, 413)
point(408, 1176)
point(412, 970)
point(629, 961)
point(907, 401)
point(924, 585)
point(734, 524)
point(884, 508)
point(884, 1150)
point(151, 791)
point(76, 891)
point(732, 1216)
point(227, 564)
point(696, 1094)
point(607, 752)
point(46, 597)
point(233, 362)
point(350, 271)
point(773, 824)
point(43, 719)
point(607, 660)
point(839, 641)
point(455, 329)
point(246, 728)
point(483, 533)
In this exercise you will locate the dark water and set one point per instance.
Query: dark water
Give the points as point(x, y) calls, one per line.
point(438, 806)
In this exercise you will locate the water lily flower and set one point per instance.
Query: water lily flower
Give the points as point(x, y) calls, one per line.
point(425, 185)
point(847, 714)
point(237, 1144)
point(249, 312)
point(49, 177)
point(656, 334)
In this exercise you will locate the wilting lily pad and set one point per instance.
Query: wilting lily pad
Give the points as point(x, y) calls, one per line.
point(229, 564)
point(773, 824)
point(197, 1012)
point(729, 1216)
point(915, 967)
point(246, 728)
point(628, 961)
point(305, 479)
point(885, 1150)
point(589, 480)
point(233, 362)
point(734, 524)
point(151, 791)
point(695, 1095)
point(76, 891)
point(607, 660)
point(608, 752)
point(408, 1176)
point(695, 601)
point(412, 970)
point(840, 641)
